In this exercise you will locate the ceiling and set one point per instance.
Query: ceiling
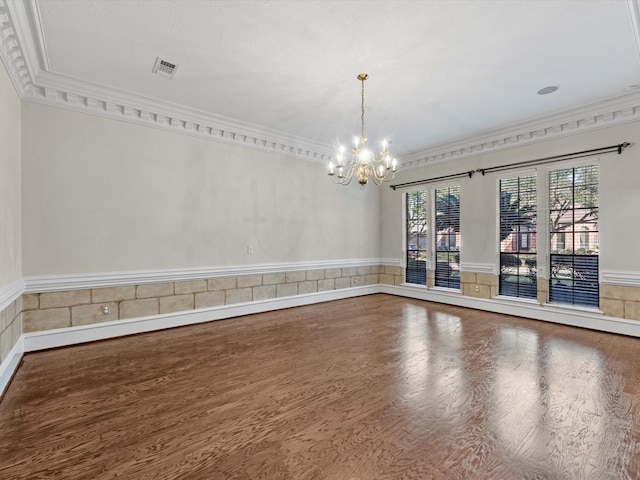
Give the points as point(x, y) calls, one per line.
point(441, 73)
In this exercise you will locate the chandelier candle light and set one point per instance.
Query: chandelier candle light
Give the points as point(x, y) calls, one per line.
point(363, 163)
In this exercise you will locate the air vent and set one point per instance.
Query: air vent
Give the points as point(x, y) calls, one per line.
point(164, 68)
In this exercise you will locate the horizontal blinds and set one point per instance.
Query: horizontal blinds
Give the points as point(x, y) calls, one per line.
point(447, 237)
point(574, 235)
point(518, 237)
point(416, 237)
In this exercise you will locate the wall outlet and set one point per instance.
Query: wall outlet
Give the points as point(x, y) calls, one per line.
point(106, 310)
point(249, 248)
point(477, 288)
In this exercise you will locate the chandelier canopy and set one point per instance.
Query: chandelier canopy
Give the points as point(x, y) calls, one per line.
point(363, 164)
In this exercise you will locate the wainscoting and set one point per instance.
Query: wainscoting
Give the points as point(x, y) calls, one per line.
point(46, 312)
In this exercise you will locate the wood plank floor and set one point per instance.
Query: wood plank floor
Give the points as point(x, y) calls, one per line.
point(376, 387)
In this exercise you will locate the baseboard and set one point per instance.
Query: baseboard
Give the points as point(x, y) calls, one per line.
point(568, 315)
point(117, 328)
point(10, 365)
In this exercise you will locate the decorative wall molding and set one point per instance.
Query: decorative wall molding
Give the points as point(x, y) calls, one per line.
point(575, 317)
point(53, 283)
point(489, 268)
point(23, 51)
point(620, 277)
point(10, 293)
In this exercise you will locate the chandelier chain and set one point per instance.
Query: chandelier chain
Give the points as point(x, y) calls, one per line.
point(362, 110)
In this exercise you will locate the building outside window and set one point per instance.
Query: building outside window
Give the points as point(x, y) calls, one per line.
point(447, 237)
point(574, 238)
point(416, 237)
point(518, 237)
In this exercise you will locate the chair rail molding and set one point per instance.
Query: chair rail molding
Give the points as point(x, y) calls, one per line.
point(468, 267)
point(620, 277)
point(53, 283)
point(11, 292)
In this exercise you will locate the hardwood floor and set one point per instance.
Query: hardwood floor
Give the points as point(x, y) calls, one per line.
point(376, 387)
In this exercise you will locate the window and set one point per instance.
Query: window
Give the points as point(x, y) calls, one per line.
point(447, 237)
point(573, 225)
point(416, 237)
point(518, 241)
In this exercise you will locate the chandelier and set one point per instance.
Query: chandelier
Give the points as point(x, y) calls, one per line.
point(363, 164)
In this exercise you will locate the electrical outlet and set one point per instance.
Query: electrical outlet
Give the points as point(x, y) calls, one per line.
point(106, 310)
point(249, 248)
point(477, 288)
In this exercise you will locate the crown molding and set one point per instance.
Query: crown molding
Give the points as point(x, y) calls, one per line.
point(606, 113)
point(11, 50)
point(23, 51)
point(60, 91)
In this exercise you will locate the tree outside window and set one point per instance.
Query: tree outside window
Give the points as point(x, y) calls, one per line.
point(573, 217)
point(518, 237)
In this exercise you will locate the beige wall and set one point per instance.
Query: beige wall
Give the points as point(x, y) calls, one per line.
point(10, 189)
point(619, 198)
point(103, 196)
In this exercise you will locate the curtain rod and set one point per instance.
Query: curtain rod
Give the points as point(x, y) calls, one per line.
point(435, 179)
point(539, 161)
point(557, 158)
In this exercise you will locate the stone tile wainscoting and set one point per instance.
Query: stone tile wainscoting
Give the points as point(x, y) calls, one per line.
point(10, 327)
point(50, 310)
point(479, 285)
point(620, 301)
point(59, 309)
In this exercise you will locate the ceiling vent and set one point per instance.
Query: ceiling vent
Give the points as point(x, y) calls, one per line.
point(164, 68)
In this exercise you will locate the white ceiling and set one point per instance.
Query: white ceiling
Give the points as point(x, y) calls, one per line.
point(439, 71)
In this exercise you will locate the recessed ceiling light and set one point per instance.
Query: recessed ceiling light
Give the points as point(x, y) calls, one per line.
point(547, 90)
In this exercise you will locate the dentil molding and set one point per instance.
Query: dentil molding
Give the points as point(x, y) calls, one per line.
point(23, 51)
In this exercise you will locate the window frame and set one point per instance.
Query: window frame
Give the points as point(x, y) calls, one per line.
point(546, 173)
point(434, 239)
point(405, 239)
